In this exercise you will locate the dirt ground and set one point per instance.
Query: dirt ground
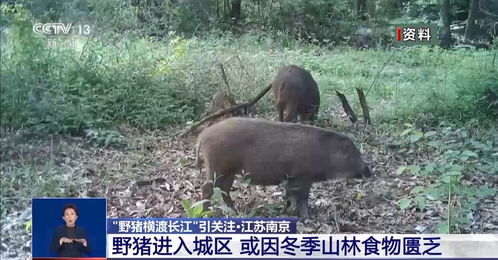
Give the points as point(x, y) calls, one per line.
point(151, 174)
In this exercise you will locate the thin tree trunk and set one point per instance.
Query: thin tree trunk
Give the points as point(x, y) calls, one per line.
point(259, 13)
point(226, 9)
point(372, 8)
point(471, 28)
point(235, 11)
point(217, 11)
point(259, 8)
point(444, 14)
point(361, 8)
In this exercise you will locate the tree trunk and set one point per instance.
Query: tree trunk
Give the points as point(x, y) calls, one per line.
point(361, 8)
point(372, 9)
point(226, 9)
point(444, 14)
point(471, 28)
point(235, 11)
point(217, 10)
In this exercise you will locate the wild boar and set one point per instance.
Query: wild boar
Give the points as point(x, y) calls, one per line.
point(295, 92)
point(221, 100)
point(271, 152)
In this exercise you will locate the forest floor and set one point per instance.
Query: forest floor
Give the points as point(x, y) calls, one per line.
point(154, 171)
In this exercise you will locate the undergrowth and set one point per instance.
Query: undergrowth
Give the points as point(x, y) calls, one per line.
point(111, 79)
point(96, 83)
point(455, 166)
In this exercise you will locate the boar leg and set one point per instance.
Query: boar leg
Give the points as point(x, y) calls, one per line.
point(309, 114)
point(225, 182)
point(300, 191)
point(312, 116)
point(207, 187)
point(280, 108)
point(302, 201)
point(291, 191)
point(207, 192)
point(307, 117)
point(303, 117)
point(291, 113)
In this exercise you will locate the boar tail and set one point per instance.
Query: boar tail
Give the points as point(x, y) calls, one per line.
point(198, 163)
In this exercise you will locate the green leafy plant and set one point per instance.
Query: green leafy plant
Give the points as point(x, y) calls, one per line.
point(412, 135)
point(195, 210)
point(219, 204)
point(28, 225)
point(216, 206)
point(105, 137)
point(446, 175)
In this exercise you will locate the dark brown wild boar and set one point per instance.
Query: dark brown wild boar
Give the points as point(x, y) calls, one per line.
point(295, 92)
point(271, 152)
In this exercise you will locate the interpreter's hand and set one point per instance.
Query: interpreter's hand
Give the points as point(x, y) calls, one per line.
point(65, 240)
point(82, 241)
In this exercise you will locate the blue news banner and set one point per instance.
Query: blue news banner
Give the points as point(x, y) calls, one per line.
point(229, 238)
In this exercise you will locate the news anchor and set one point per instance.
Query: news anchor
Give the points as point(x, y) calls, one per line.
point(70, 240)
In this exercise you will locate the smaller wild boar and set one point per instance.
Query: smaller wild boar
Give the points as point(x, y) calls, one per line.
point(295, 92)
point(271, 152)
point(221, 100)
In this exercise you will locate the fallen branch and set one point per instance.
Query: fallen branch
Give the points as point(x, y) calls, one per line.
point(223, 112)
point(347, 108)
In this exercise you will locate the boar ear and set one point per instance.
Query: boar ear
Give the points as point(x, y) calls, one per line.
point(367, 172)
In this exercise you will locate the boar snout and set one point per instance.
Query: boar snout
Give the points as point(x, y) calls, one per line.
point(363, 173)
point(367, 173)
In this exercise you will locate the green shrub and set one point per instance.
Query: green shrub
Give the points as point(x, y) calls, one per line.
point(94, 84)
